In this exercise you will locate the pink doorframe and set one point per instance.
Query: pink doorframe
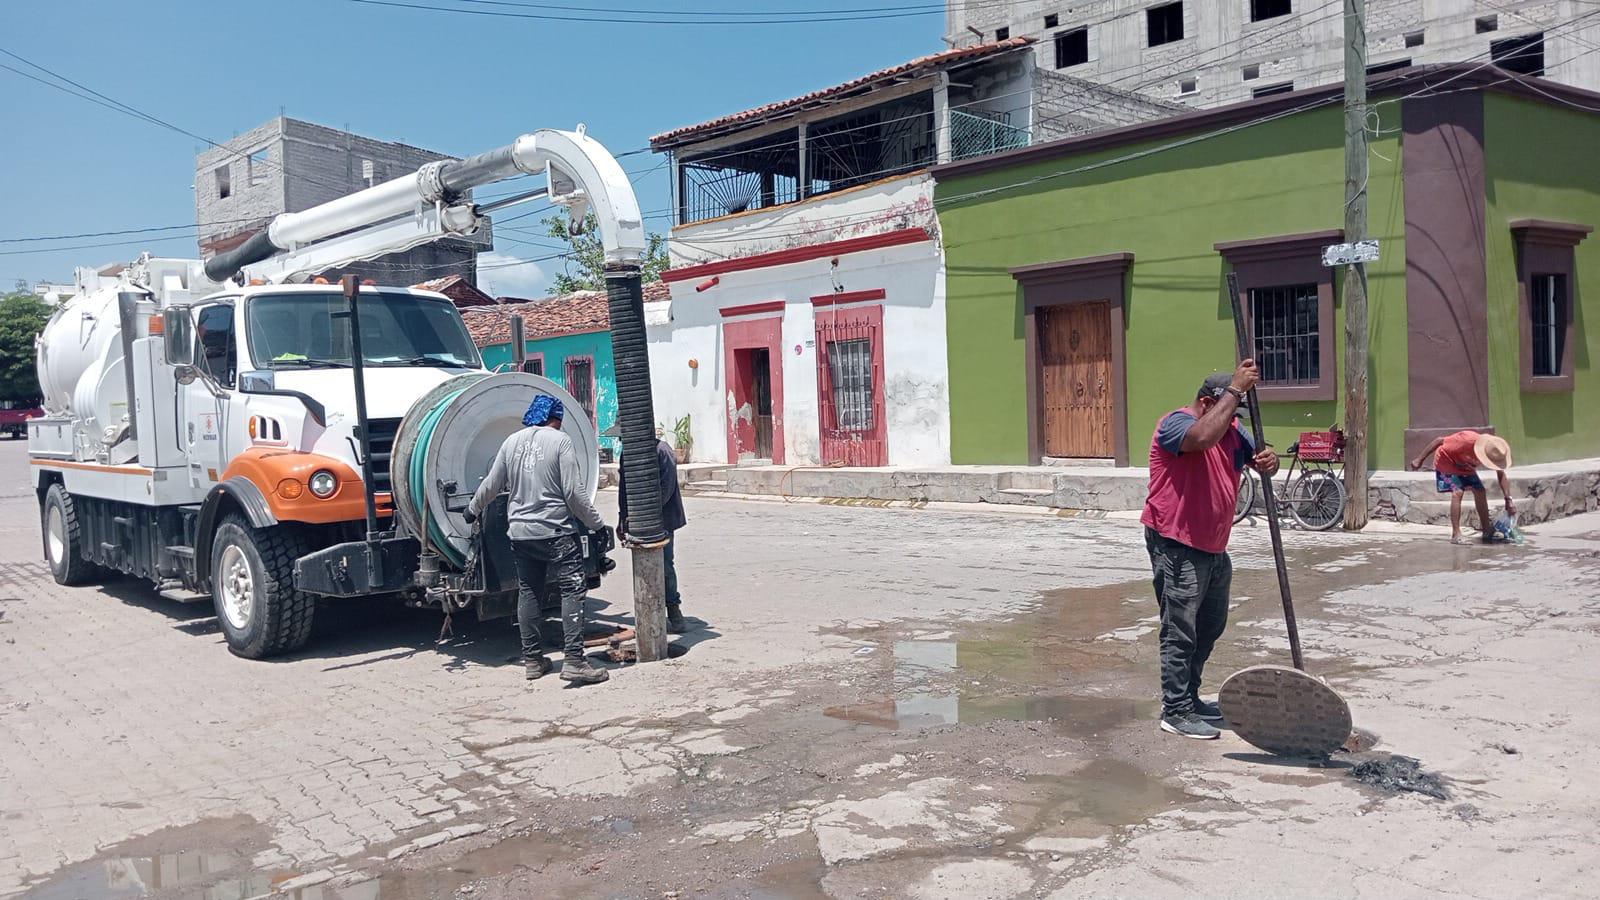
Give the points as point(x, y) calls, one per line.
point(738, 339)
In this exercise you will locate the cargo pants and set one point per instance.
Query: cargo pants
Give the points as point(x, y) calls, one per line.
point(536, 561)
point(1192, 591)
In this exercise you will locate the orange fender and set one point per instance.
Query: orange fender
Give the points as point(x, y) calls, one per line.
point(284, 476)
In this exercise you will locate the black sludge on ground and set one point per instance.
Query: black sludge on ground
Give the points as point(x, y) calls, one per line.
point(1395, 774)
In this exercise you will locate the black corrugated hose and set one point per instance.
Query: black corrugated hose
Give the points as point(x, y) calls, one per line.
point(225, 265)
point(636, 410)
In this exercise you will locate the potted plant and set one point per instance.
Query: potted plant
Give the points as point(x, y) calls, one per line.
point(682, 438)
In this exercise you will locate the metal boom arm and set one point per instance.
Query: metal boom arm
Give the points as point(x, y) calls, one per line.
point(432, 203)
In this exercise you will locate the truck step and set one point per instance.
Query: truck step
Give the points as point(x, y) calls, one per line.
point(181, 552)
point(181, 595)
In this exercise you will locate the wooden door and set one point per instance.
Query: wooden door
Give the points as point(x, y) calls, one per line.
point(761, 379)
point(1075, 389)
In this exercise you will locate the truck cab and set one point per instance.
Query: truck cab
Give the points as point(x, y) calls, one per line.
point(272, 373)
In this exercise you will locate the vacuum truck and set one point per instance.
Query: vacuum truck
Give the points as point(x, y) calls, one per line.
point(232, 433)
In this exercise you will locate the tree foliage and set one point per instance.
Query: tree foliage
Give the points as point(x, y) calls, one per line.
point(22, 316)
point(586, 261)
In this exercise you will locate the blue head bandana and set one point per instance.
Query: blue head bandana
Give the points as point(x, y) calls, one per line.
point(543, 409)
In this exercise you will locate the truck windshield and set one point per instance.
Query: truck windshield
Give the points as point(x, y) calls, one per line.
point(300, 331)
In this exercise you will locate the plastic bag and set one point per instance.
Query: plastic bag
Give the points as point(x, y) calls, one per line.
point(1505, 525)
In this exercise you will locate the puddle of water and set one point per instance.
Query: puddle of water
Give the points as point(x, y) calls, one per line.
point(204, 876)
point(530, 851)
point(797, 880)
point(921, 700)
point(1112, 793)
point(1082, 714)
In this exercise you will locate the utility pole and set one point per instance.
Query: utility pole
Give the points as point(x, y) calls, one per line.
point(647, 535)
point(1355, 277)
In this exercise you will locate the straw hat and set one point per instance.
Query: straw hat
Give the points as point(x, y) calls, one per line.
point(1493, 452)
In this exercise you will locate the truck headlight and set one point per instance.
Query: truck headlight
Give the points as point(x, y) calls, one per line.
point(323, 484)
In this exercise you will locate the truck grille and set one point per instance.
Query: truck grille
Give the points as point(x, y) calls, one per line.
point(380, 437)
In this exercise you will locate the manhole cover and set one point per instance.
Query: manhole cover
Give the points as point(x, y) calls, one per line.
point(1285, 711)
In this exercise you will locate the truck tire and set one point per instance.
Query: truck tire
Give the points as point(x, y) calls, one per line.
point(252, 587)
point(63, 539)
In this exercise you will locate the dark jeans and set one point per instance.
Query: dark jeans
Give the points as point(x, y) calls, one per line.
point(1192, 591)
point(535, 560)
point(672, 572)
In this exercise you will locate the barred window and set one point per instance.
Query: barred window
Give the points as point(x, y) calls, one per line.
point(1285, 327)
point(580, 382)
point(850, 371)
point(1549, 315)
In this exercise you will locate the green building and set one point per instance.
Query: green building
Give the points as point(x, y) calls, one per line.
point(1087, 292)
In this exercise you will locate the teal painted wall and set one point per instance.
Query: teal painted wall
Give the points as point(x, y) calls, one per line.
point(1168, 208)
point(556, 350)
point(1541, 164)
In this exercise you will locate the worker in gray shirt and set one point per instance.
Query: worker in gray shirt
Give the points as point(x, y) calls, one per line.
point(539, 467)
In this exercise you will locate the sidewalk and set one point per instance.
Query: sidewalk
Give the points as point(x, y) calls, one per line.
point(1543, 492)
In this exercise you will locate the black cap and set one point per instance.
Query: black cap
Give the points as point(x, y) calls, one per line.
point(1215, 386)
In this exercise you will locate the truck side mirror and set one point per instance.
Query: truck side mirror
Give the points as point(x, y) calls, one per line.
point(177, 342)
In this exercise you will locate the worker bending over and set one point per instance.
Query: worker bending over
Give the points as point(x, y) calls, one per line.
point(1196, 457)
point(539, 467)
point(1456, 459)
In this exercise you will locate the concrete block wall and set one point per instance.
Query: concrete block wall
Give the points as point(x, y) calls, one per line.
point(1306, 47)
point(288, 165)
point(328, 163)
point(1065, 106)
point(256, 190)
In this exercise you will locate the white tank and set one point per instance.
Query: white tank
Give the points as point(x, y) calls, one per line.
point(80, 364)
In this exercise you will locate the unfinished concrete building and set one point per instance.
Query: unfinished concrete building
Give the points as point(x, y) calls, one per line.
point(1212, 52)
point(288, 165)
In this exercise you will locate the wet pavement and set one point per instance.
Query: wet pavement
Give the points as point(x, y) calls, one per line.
point(890, 704)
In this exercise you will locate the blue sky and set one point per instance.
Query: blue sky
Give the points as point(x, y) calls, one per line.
point(455, 83)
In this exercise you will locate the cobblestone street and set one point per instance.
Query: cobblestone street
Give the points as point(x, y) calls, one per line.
point(960, 703)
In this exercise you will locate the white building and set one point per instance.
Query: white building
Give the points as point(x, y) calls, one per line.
point(1212, 52)
point(807, 322)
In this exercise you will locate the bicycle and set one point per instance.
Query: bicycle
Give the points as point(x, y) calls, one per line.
point(1316, 497)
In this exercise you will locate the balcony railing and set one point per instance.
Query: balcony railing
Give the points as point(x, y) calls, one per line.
point(979, 134)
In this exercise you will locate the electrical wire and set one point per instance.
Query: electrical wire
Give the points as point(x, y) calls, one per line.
point(111, 103)
point(808, 19)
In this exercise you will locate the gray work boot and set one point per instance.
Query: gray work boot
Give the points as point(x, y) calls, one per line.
point(675, 622)
point(579, 671)
point(538, 668)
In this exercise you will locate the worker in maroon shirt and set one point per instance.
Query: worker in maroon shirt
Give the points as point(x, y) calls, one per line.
point(1197, 457)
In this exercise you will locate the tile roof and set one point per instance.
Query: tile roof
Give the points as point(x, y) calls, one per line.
point(575, 313)
point(438, 284)
point(458, 289)
point(916, 67)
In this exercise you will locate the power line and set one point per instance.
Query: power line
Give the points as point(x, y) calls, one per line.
point(118, 106)
point(93, 234)
point(613, 19)
point(175, 237)
point(567, 7)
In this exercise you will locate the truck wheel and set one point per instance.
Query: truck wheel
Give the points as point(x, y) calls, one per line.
point(63, 539)
point(252, 586)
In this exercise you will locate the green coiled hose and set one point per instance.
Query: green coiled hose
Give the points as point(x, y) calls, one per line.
point(417, 477)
